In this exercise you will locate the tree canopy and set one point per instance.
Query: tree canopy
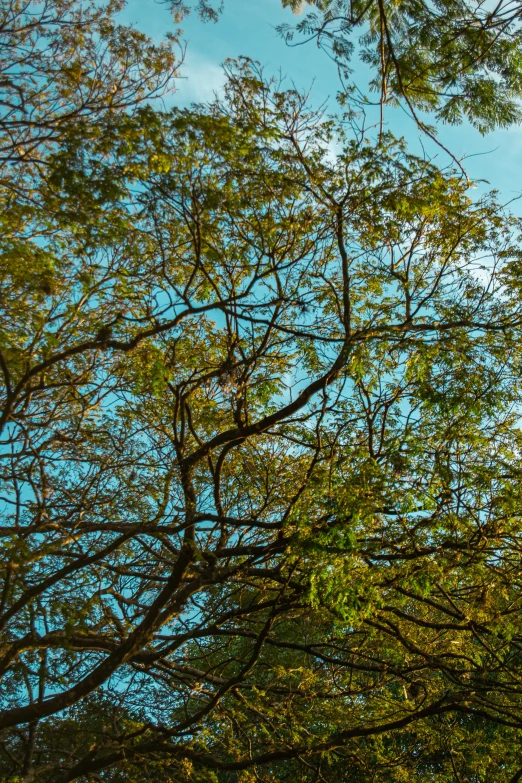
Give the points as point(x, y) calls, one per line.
point(66, 63)
point(457, 59)
point(260, 434)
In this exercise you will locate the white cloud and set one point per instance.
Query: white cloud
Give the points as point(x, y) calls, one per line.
point(200, 80)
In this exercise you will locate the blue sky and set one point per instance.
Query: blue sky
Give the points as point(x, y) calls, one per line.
point(247, 28)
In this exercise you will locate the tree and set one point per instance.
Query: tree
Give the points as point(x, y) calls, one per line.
point(67, 64)
point(457, 59)
point(260, 455)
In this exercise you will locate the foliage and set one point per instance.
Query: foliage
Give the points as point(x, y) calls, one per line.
point(457, 59)
point(461, 60)
point(260, 452)
point(65, 63)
